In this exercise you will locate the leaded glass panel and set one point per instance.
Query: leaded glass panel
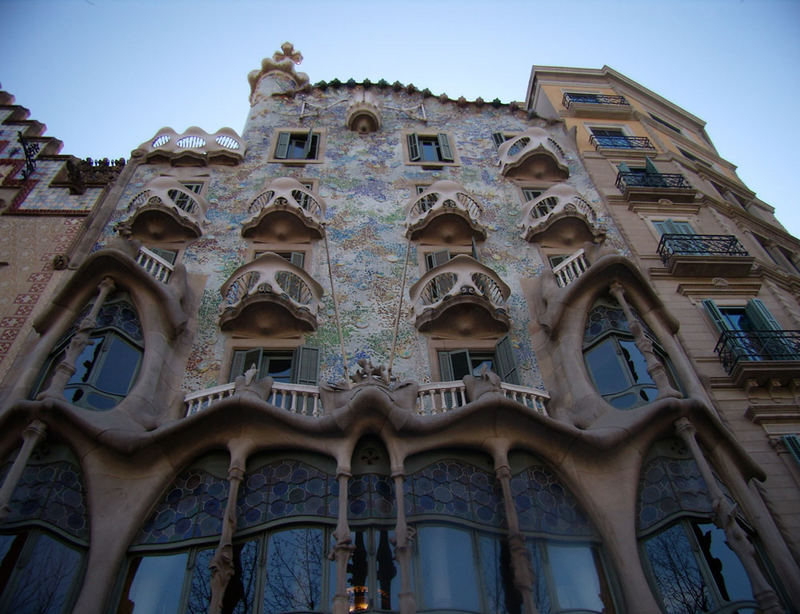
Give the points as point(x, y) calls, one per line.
point(370, 496)
point(669, 486)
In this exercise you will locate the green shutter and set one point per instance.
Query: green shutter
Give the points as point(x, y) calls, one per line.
point(297, 259)
point(499, 138)
point(792, 443)
point(716, 315)
point(475, 250)
point(760, 316)
point(413, 147)
point(306, 365)
point(445, 367)
point(242, 361)
point(650, 167)
point(623, 168)
point(435, 259)
point(505, 364)
point(445, 153)
point(307, 146)
point(282, 150)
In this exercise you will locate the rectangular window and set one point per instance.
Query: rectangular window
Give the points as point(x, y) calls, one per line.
point(429, 148)
point(673, 227)
point(297, 145)
point(693, 158)
point(499, 138)
point(455, 364)
point(664, 122)
point(298, 366)
point(531, 193)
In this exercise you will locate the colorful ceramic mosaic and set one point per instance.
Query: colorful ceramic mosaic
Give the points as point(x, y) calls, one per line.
point(284, 489)
point(193, 507)
point(51, 492)
point(544, 505)
point(455, 488)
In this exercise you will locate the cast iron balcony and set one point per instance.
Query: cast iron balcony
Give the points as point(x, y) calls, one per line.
point(166, 210)
point(270, 296)
point(554, 210)
point(286, 212)
point(621, 142)
point(704, 255)
point(461, 297)
point(760, 355)
point(596, 104)
point(655, 186)
point(445, 213)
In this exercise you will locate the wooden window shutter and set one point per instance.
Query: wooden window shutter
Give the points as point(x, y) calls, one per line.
point(306, 365)
point(505, 364)
point(282, 150)
point(444, 148)
point(716, 315)
point(650, 167)
point(413, 147)
point(760, 316)
point(242, 361)
point(623, 168)
point(298, 259)
point(499, 138)
point(445, 367)
point(307, 146)
point(792, 443)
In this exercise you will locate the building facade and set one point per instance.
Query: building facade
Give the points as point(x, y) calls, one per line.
point(393, 351)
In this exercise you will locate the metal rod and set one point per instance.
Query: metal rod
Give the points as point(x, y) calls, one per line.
point(399, 310)
point(335, 305)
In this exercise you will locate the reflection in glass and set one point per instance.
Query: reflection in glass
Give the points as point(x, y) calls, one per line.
point(357, 570)
point(386, 572)
point(37, 573)
point(575, 577)
point(239, 594)
point(726, 568)
point(682, 588)
point(495, 566)
point(447, 569)
point(294, 571)
point(156, 585)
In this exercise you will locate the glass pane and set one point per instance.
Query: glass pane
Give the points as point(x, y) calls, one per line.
point(119, 366)
point(156, 586)
point(43, 583)
point(447, 569)
point(495, 565)
point(387, 573)
point(479, 360)
point(277, 367)
point(294, 571)
point(461, 364)
point(429, 149)
point(575, 577)
point(541, 594)
point(357, 572)
point(605, 368)
point(726, 568)
point(86, 361)
point(200, 591)
point(635, 361)
point(677, 575)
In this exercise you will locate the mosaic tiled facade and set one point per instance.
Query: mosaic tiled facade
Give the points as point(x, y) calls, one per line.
point(393, 351)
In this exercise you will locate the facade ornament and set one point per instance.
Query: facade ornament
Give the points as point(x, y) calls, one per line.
point(282, 61)
point(222, 565)
point(725, 513)
point(249, 386)
point(478, 385)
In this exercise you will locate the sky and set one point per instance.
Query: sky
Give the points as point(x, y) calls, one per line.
point(106, 75)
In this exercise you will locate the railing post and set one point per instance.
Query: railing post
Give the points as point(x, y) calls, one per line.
point(725, 519)
point(655, 367)
point(66, 368)
point(31, 436)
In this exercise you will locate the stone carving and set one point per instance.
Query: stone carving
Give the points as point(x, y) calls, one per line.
point(249, 387)
point(478, 385)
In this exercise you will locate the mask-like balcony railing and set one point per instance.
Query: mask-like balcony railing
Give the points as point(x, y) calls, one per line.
point(167, 210)
point(462, 297)
point(760, 355)
point(270, 296)
point(704, 255)
point(596, 104)
point(286, 211)
point(445, 213)
point(534, 153)
point(559, 205)
point(621, 142)
point(569, 269)
point(193, 146)
point(655, 186)
point(154, 264)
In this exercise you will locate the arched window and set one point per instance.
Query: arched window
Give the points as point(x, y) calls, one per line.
point(45, 535)
point(286, 512)
point(568, 570)
point(108, 364)
point(614, 362)
point(690, 566)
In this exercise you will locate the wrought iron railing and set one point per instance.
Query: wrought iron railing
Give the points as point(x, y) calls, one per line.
point(734, 346)
point(570, 98)
point(699, 245)
point(651, 180)
point(622, 142)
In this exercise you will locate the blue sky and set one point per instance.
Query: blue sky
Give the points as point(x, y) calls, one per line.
point(105, 75)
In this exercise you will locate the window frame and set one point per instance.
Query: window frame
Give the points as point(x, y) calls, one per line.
point(300, 354)
point(504, 363)
point(415, 158)
point(278, 141)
